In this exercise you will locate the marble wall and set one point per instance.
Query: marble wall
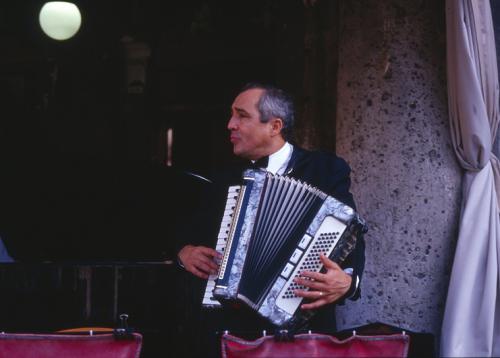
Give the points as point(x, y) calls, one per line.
point(392, 128)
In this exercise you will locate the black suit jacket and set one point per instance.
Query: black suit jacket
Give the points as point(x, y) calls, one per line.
point(323, 170)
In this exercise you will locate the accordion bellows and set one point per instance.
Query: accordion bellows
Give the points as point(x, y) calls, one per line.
point(273, 228)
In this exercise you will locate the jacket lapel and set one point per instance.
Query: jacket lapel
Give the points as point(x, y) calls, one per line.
point(298, 154)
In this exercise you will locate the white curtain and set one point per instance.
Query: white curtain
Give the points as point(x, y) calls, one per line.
point(471, 323)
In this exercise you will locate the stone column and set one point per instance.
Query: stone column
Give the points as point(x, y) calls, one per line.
point(392, 128)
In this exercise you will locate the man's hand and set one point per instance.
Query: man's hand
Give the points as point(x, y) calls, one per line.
point(199, 260)
point(325, 287)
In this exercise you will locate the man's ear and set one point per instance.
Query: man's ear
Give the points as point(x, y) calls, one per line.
point(276, 126)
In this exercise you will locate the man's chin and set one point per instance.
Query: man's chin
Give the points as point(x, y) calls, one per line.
point(238, 152)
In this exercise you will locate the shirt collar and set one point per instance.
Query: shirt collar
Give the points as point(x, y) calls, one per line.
point(278, 161)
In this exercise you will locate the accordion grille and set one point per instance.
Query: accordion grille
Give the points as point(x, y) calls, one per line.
point(285, 210)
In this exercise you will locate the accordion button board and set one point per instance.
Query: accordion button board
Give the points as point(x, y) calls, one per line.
point(324, 242)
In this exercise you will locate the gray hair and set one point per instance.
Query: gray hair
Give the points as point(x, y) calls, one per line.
point(274, 103)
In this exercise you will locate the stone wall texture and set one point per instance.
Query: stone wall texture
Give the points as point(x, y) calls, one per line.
point(393, 129)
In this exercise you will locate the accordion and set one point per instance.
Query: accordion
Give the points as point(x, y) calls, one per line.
point(273, 228)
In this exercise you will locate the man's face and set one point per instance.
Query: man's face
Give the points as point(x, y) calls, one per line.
point(250, 137)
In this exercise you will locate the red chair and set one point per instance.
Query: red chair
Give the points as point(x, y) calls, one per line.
point(317, 345)
point(107, 345)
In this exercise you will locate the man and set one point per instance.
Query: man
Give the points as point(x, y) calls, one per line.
point(260, 126)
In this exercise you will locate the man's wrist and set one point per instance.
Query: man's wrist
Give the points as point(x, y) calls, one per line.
point(353, 289)
point(179, 262)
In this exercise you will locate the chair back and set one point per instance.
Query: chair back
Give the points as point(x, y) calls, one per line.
point(25, 345)
point(314, 345)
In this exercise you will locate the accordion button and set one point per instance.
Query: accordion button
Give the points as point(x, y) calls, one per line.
point(287, 270)
point(296, 256)
point(305, 241)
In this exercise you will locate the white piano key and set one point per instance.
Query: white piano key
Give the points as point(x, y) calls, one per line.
point(208, 299)
point(231, 202)
point(224, 232)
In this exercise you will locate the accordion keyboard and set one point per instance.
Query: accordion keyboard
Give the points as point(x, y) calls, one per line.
point(222, 237)
point(306, 257)
point(208, 297)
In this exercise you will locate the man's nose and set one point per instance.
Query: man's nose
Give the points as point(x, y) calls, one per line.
point(231, 124)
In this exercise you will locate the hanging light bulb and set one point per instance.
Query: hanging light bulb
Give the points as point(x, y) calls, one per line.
point(60, 20)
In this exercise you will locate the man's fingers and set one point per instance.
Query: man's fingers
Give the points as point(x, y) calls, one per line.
point(314, 304)
point(202, 267)
point(199, 260)
point(199, 257)
point(318, 299)
point(206, 266)
point(313, 275)
point(312, 295)
point(206, 261)
point(329, 264)
point(315, 285)
point(198, 273)
point(209, 252)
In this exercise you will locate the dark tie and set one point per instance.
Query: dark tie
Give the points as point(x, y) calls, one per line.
point(260, 163)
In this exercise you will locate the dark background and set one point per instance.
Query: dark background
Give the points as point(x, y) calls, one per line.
point(82, 141)
point(83, 175)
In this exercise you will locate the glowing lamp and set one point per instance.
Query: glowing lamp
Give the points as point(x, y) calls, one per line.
point(60, 20)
